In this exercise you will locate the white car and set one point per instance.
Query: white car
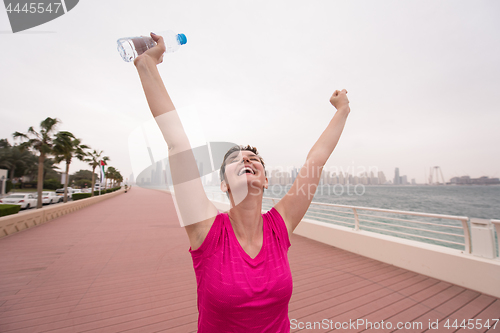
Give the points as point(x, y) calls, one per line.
point(50, 198)
point(25, 200)
point(60, 192)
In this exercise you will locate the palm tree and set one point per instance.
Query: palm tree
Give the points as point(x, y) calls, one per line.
point(110, 174)
point(42, 143)
point(118, 178)
point(113, 174)
point(31, 168)
point(20, 159)
point(81, 178)
point(4, 143)
point(12, 157)
point(5, 154)
point(94, 158)
point(50, 169)
point(66, 146)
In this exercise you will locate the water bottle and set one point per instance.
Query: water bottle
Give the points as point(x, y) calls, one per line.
point(131, 47)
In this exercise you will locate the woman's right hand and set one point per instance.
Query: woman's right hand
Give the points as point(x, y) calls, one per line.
point(155, 53)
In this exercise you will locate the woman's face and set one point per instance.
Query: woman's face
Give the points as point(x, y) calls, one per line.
point(245, 173)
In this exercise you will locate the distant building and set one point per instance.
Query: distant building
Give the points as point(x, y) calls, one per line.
point(285, 178)
point(381, 178)
point(400, 180)
point(466, 180)
point(335, 179)
point(274, 177)
point(397, 179)
point(485, 181)
point(361, 180)
point(295, 173)
point(325, 177)
point(341, 179)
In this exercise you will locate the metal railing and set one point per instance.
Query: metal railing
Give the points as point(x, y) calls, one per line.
point(445, 230)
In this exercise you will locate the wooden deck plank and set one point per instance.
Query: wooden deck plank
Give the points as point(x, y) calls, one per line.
point(328, 282)
point(112, 268)
point(488, 314)
point(469, 311)
point(362, 306)
point(384, 306)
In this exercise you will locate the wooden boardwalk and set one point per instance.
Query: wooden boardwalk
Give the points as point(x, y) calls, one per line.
point(122, 265)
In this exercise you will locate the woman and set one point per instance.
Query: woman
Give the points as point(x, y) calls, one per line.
point(239, 257)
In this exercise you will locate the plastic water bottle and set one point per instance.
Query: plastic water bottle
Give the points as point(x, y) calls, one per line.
point(131, 47)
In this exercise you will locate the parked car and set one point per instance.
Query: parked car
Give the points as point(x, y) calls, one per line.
point(25, 200)
point(49, 197)
point(87, 190)
point(97, 187)
point(77, 190)
point(60, 192)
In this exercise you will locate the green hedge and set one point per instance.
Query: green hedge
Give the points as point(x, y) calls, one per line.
point(9, 209)
point(78, 196)
point(109, 190)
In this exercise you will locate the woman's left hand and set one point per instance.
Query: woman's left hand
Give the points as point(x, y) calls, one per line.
point(339, 100)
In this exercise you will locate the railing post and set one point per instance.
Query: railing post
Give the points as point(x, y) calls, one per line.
point(356, 220)
point(483, 238)
point(465, 226)
point(496, 223)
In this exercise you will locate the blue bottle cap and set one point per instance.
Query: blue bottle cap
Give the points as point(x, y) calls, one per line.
point(182, 39)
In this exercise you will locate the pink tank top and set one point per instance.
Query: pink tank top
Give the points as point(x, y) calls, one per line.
point(237, 293)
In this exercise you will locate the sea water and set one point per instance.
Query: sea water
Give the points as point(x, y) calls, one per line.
point(473, 201)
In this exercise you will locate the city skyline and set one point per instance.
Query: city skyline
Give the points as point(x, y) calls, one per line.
point(286, 176)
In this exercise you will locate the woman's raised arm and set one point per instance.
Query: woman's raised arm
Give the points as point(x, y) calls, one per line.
point(197, 212)
point(295, 203)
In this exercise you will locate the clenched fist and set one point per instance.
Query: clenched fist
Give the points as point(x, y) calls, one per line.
point(339, 100)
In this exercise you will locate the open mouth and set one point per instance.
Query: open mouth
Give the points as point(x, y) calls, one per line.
point(246, 170)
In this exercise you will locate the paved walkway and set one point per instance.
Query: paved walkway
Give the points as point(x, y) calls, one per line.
point(123, 265)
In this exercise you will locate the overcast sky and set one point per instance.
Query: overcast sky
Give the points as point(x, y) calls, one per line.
point(423, 78)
